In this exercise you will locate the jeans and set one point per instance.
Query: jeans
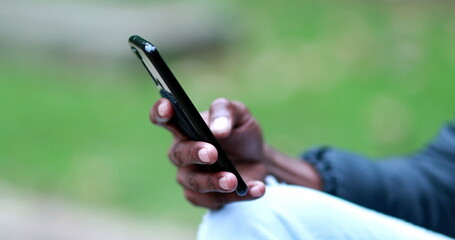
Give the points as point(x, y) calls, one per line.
point(295, 212)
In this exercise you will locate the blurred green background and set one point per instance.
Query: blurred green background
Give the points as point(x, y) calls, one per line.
point(375, 77)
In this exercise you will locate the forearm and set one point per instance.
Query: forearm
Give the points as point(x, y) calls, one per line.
point(291, 170)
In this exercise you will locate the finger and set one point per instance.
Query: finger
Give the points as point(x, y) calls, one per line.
point(185, 153)
point(226, 115)
point(220, 117)
point(256, 189)
point(161, 112)
point(205, 182)
point(216, 200)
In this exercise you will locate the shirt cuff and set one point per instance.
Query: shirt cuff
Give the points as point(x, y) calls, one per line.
point(316, 158)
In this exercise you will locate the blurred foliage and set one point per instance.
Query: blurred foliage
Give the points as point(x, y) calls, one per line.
point(376, 77)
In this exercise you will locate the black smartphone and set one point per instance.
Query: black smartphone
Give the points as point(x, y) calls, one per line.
point(186, 115)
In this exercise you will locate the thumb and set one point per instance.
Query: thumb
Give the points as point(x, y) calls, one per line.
point(221, 126)
point(221, 117)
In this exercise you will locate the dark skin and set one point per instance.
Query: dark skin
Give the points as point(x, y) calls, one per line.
point(241, 137)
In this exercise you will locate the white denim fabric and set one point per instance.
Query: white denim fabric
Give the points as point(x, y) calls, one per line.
point(295, 212)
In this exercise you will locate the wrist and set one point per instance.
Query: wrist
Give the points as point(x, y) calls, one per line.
point(291, 170)
point(272, 159)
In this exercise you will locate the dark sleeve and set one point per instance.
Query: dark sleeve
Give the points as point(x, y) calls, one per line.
point(419, 188)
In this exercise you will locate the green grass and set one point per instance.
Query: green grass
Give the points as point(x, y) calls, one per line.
point(373, 78)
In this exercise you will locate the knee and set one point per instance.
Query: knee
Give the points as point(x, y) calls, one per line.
point(283, 213)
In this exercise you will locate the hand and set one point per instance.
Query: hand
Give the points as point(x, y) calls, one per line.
point(240, 137)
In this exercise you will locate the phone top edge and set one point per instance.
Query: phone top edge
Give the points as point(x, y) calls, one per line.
point(145, 45)
point(133, 38)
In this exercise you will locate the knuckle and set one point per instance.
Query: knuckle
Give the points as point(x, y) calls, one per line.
point(180, 178)
point(193, 184)
point(174, 157)
point(177, 158)
point(174, 154)
point(170, 153)
point(212, 183)
point(190, 197)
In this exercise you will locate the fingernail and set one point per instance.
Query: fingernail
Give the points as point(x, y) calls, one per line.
point(203, 155)
point(162, 109)
point(220, 124)
point(256, 191)
point(223, 182)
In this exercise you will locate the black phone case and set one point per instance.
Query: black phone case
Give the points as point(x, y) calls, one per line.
point(186, 115)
